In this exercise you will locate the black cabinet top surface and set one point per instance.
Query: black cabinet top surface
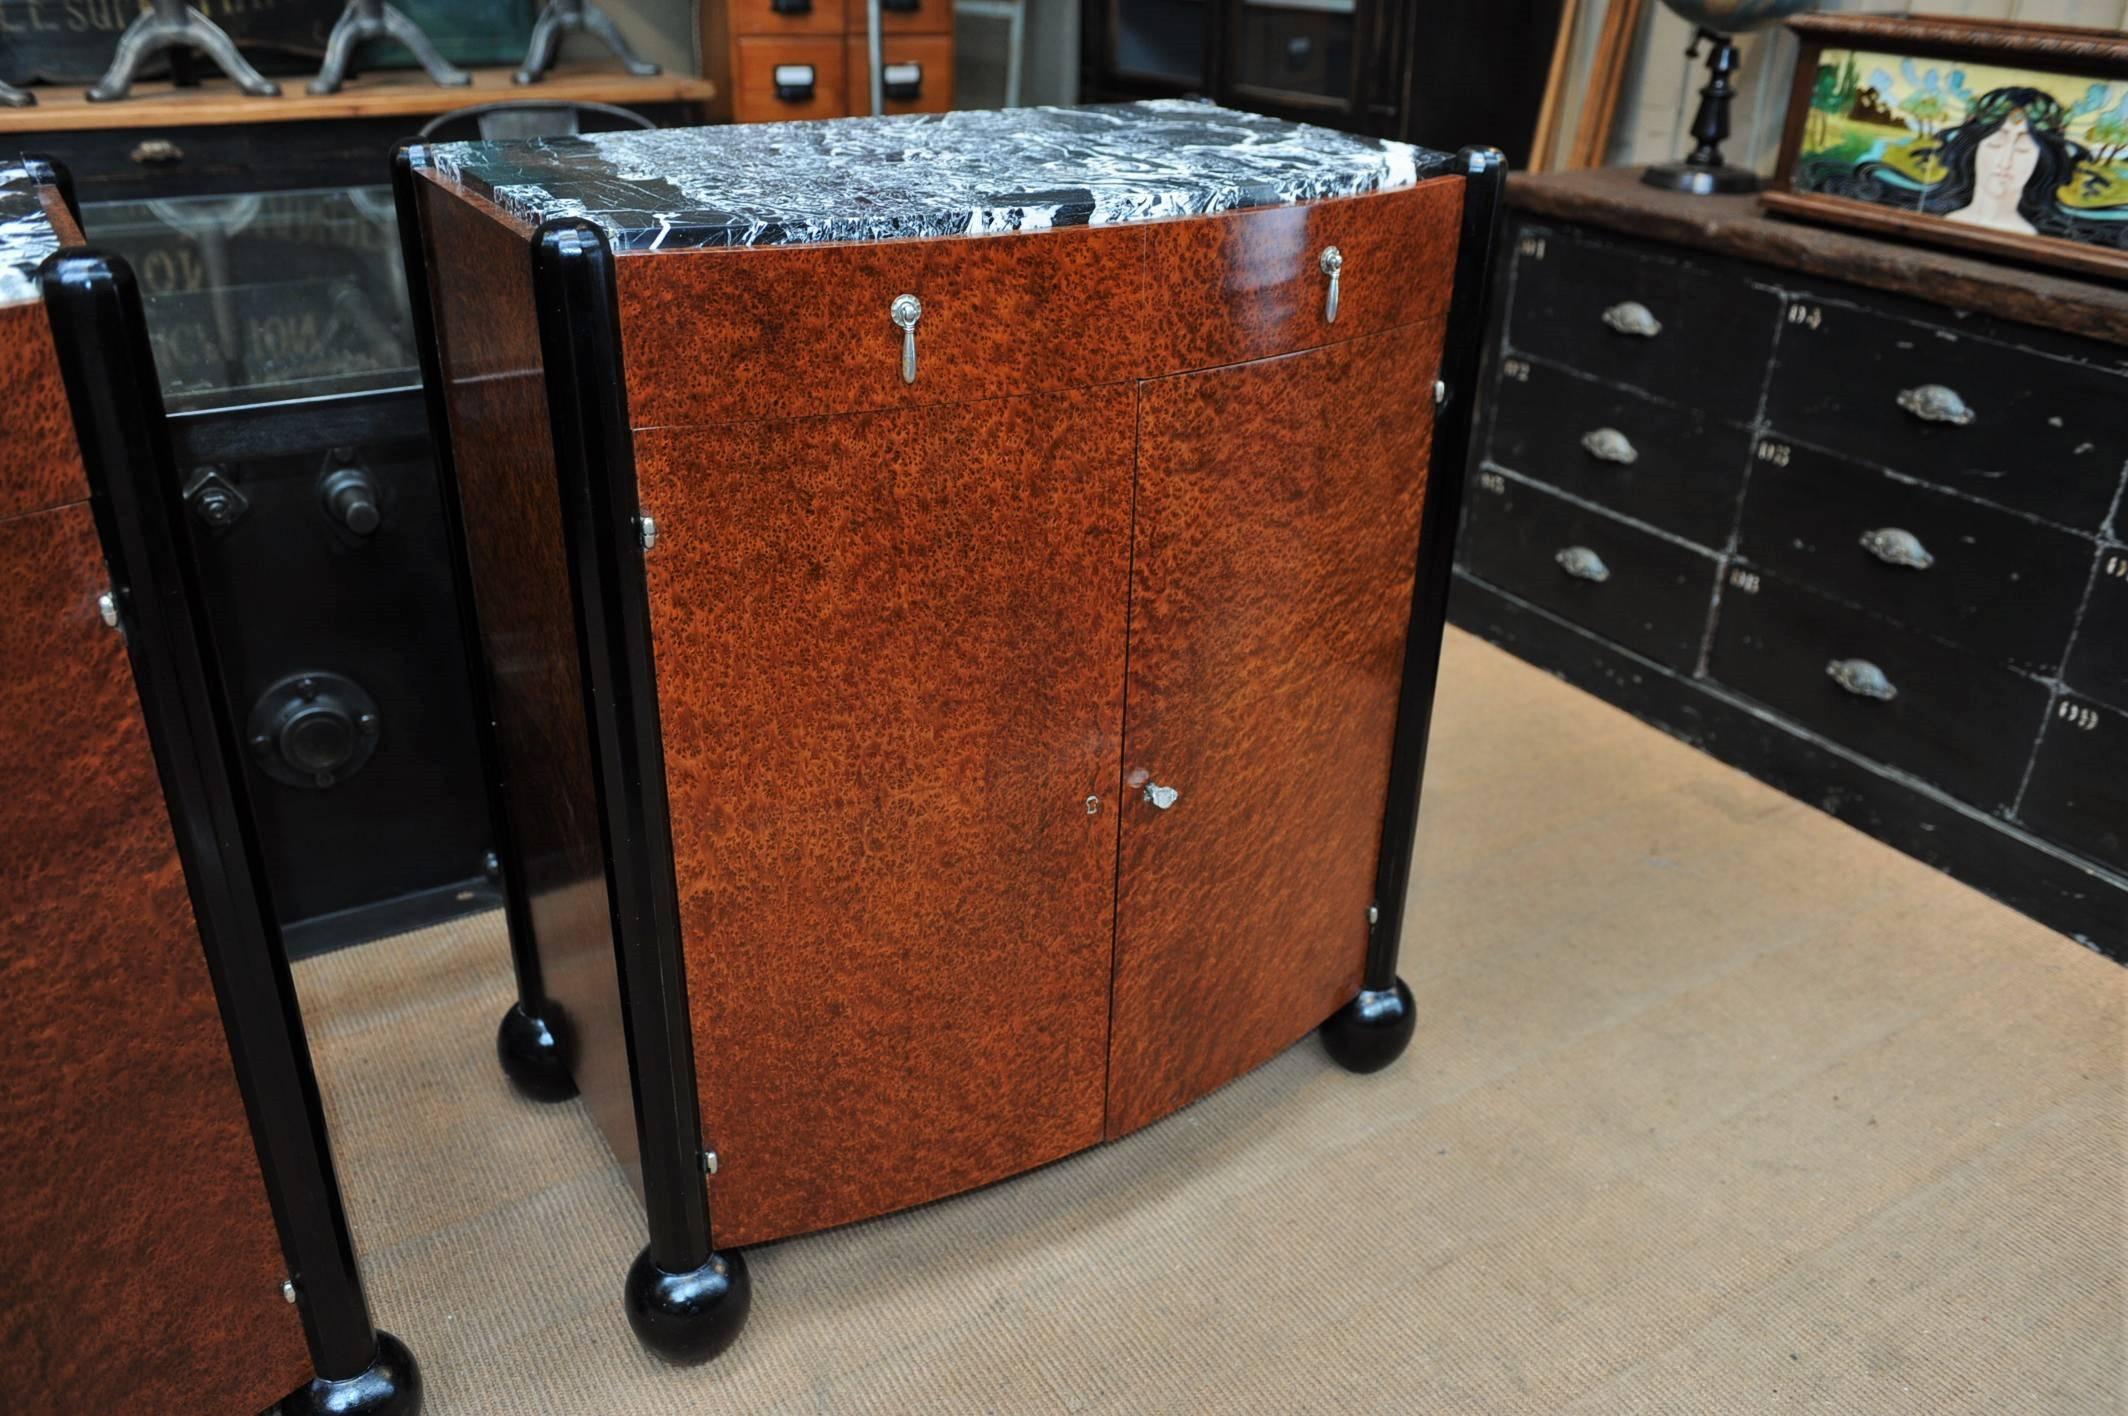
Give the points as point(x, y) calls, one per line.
point(26, 236)
point(936, 174)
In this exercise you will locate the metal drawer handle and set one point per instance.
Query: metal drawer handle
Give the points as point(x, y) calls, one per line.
point(1933, 403)
point(905, 312)
point(1333, 264)
point(1861, 678)
point(1583, 564)
point(156, 152)
point(904, 83)
point(1895, 547)
point(1633, 318)
point(794, 83)
point(1610, 445)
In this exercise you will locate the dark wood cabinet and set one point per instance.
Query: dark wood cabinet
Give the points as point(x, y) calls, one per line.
point(172, 1224)
point(1862, 539)
point(947, 689)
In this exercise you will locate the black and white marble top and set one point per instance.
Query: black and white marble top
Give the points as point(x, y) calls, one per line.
point(26, 236)
point(931, 174)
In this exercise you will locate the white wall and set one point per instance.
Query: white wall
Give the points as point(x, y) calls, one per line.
point(1662, 89)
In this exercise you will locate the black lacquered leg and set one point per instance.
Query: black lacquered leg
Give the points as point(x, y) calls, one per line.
point(1372, 1030)
point(689, 1317)
point(534, 1055)
point(389, 1386)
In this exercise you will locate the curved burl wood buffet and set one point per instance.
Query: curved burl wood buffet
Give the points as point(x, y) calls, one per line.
point(957, 603)
point(171, 1232)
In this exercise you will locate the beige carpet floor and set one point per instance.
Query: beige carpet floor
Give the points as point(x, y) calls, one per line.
point(1716, 1106)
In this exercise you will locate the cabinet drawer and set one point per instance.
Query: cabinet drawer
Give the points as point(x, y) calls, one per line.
point(2078, 795)
point(919, 72)
point(1631, 587)
point(1952, 718)
point(1930, 561)
point(2098, 660)
point(780, 79)
point(788, 17)
point(908, 17)
point(1671, 467)
point(1988, 419)
point(1681, 331)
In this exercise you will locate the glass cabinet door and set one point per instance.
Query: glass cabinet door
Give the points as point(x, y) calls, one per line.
point(1159, 40)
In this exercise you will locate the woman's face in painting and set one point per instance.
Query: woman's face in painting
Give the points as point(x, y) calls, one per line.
point(2003, 162)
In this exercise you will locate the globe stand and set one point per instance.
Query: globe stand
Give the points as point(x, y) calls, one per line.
point(1704, 174)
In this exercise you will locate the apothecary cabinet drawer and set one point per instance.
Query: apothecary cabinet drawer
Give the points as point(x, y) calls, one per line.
point(1954, 719)
point(1672, 329)
point(1990, 580)
point(2006, 424)
point(1625, 584)
point(779, 79)
point(916, 73)
point(2078, 794)
point(788, 17)
point(1669, 466)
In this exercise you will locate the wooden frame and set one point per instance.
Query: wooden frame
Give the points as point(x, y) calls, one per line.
point(2082, 58)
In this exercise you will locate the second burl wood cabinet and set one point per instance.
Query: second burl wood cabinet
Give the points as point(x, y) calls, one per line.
point(957, 603)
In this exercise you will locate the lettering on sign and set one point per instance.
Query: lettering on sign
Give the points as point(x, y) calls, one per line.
point(1744, 580)
point(1776, 453)
point(1808, 316)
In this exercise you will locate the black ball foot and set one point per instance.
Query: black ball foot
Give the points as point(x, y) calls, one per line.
point(1372, 1030)
point(533, 1055)
point(389, 1386)
point(689, 1317)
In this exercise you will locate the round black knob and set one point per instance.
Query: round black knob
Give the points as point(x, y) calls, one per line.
point(351, 499)
point(313, 729)
point(318, 738)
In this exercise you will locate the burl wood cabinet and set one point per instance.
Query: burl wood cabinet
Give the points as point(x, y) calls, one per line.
point(957, 603)
point(171, 1235)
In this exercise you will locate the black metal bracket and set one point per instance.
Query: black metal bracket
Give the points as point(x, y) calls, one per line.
point(101, 337)
point(1463, 353)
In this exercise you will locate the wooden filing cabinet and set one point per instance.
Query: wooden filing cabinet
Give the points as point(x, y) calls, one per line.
point(780, 60)
point(172, 1229)
point(959, 651)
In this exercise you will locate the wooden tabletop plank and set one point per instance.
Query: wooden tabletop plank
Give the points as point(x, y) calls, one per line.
point(380, 94)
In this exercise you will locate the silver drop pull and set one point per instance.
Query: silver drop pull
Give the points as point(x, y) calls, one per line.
point(905, 312)
point(1161, 797)
point(1861, 678)
point(1583, 564)
point(1333, 264)
point(1933, 403)
point(1610, 445)
point(1633, 318)
point(1896, 547)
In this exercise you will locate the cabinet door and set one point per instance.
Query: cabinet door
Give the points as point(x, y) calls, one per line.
point(1277, 531)
point(890, 680)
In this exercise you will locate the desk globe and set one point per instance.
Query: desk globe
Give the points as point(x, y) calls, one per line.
point(1704, 173)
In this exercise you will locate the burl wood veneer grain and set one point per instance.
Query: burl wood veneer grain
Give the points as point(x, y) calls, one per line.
point(140, 1269)
point(890, 665)
point(40, 465)
point(480, 268)
point(1277, 528)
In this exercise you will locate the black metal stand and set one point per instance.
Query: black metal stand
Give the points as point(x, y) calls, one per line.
point(101, 337)
point(173, 24)
point(533, 1040)
point(1372, 1030)
point(576, 17)
point(12, 97)
point(687, 1302)
point(364, 21)
point(389, 1386)
point(1704, 174)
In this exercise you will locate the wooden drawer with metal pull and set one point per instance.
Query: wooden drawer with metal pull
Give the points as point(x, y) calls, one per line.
point(1961, 722)
point(1682, 332)
point(1669, 466)
point(908, 17)
point(2098, 660)
point(2078, 792)
point(1995, 582)
point(788, 17)
point(1626, 584)
point(789, 332)
point(790, 78)
point(2041, 434)
point(917, 72)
